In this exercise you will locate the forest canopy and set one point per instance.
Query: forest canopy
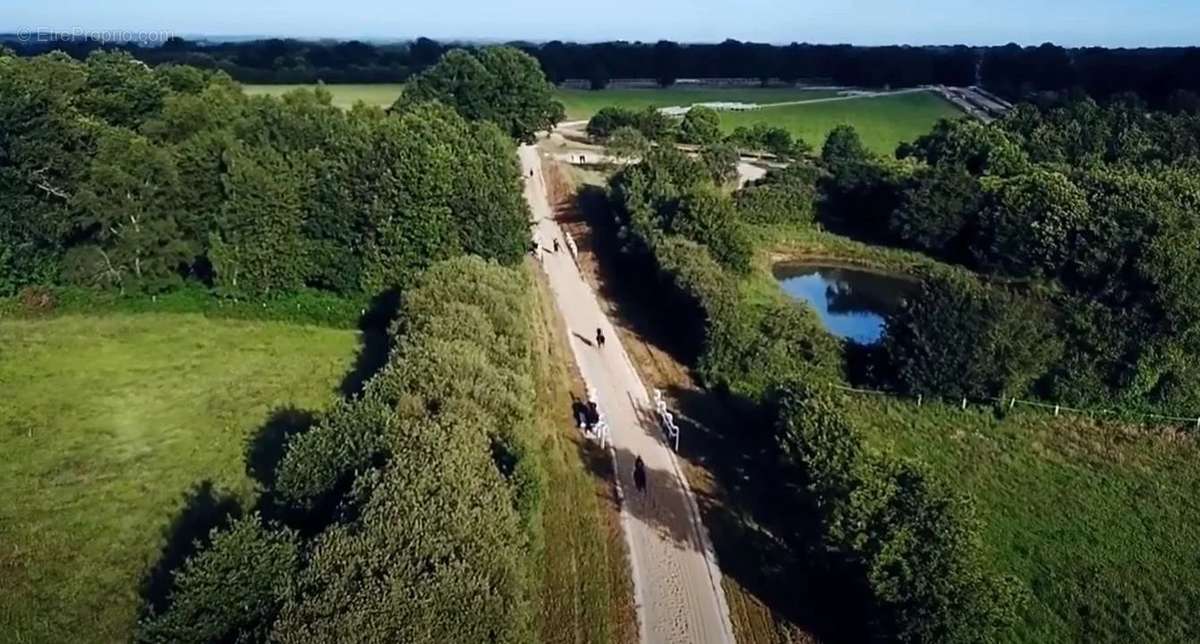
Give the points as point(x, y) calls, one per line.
point(115, 175)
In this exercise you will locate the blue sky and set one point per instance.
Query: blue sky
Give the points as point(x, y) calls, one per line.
point(1068, 22)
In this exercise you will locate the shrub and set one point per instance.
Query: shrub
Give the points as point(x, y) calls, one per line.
point(701, 126)
point(707, 217)
point(785, 196)
point(37, 300)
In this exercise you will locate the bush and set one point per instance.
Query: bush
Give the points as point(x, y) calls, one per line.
point(428, 486)
point(37, 300)
point(701, 126)
point(786, 196)
point(707, 217)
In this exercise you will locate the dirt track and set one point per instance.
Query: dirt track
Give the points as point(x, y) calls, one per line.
point(676, 578)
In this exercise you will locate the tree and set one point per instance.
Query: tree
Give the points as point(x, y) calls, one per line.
point(127, 210)
point(721, 160)
point(701, 126)
point(936, 209)
point(628, 144)
point(843, 148)
point(500, 84)
point(1031, 224)
point(608, 119)
point(121, 89)
point(666, 62)
point(962, 339)
point(916, 545)
point(258, 247)
point(707, 217)
point(229, 591)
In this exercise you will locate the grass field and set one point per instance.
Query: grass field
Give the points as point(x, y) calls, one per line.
point(583, 103)
point(107, 424)
point(580, 103)
point(882, 122)
point(1102, 523)
point(344, 96)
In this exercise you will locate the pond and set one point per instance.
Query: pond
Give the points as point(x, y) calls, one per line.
point(851, 302)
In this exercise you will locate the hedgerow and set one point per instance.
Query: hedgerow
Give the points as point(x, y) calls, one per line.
point(434, 480)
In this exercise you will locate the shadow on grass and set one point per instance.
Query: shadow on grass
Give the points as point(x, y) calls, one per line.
point(266, 447)
point(375, 343)
point(204, 510)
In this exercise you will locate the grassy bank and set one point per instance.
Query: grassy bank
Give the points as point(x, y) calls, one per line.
point(587, 592)
point(110, 426)
point(882, 122)
point(1101, 522)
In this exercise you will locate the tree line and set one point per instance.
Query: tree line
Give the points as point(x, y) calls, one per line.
point(906, 552)
point(118, 176)
point(410, 513)
point(1165, 76)
point(1070, 239)
point(1079, 221)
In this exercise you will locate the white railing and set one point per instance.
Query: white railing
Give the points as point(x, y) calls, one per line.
point(1011, 402)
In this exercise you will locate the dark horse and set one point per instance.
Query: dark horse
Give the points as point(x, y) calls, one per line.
point(639, 475)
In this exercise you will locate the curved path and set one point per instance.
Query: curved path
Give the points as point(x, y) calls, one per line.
point(677, 585)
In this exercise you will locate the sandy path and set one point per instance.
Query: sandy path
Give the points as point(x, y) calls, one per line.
point(677, 585)
point(848, 97)
point(746, 170)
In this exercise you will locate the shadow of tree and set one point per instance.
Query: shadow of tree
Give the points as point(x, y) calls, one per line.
point(375, 343)
point(766, 535)
point(267, 446)
point(636, 302)
point(204, 509)
point(767, 538)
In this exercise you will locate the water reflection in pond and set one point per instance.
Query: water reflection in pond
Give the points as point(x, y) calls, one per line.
point(852, 303)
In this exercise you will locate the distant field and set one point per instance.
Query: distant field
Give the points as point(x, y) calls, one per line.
point(1102, 524)
point(345, 96)
point(582, 103)
point(882, 122)
point(107, 422)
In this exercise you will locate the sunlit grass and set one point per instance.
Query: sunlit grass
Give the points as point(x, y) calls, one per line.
point(106, 423)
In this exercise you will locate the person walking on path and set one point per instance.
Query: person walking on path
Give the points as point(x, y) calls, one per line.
point(600, 338)
point(556, 244)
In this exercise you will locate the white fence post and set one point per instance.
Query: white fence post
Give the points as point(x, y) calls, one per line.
point(964, 404)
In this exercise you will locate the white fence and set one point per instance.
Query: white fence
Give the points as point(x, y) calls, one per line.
point(1012, 402)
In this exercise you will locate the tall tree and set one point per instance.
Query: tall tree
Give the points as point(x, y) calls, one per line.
point(257, 247)
point(127, 210)
point(500, 84)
